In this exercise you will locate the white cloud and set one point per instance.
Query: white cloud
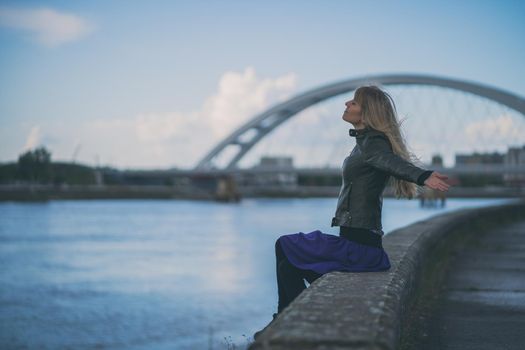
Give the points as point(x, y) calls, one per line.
point(495, 133)
point(167, 139)
point(33, 138)
point(241, 95)
point(49, 27)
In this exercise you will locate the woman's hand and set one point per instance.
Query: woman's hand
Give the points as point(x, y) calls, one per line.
point(436, 181)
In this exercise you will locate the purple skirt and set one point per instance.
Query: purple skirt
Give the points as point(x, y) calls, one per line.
point(323, 253)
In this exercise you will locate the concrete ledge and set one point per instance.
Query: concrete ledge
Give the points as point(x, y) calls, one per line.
point(371, 310)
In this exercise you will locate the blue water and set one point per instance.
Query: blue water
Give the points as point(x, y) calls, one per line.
point(154, 274)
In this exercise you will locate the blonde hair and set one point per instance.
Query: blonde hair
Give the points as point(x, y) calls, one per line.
point(379, 112)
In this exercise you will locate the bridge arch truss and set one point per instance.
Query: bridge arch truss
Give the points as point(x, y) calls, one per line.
point(249, 134)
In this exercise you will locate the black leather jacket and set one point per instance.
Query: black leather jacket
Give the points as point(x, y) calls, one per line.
point(365, 174)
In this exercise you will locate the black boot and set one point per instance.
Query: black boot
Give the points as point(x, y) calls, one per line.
point(257, 334)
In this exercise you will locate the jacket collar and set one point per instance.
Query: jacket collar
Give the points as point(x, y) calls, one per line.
point(359, 132)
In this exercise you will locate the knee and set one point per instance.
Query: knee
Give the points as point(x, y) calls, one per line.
point(283, 267)
point(286, 268)
point(278, 247)
point(279, 253)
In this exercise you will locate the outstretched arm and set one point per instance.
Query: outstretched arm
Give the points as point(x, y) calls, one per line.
point(377, 153)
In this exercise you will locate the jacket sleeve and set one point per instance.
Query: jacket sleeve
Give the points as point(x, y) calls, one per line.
point(377, 153)
point(423, 177)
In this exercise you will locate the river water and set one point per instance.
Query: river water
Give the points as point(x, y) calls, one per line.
point(154, 274)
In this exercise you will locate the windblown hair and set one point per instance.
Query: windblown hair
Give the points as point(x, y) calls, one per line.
point(379, 112)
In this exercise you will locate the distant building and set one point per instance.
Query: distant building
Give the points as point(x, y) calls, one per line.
point(271, 172)
point(515, 157)
point(480, 158)
point(276, 162)
point(437, 160)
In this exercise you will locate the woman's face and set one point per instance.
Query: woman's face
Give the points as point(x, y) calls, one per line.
point(352, 113)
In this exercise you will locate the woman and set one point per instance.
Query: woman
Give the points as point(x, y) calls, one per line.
point(380, 155)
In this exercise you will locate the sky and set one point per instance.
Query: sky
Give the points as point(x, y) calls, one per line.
point(156, 84)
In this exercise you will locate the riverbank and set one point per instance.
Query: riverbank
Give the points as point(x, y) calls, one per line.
point(44, 192)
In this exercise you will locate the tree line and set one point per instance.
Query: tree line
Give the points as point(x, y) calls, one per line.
point(36, 167)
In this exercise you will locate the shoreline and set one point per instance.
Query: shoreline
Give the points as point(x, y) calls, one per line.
point(39, 193)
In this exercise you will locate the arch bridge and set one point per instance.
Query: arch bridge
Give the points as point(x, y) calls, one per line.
point(249, 134)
